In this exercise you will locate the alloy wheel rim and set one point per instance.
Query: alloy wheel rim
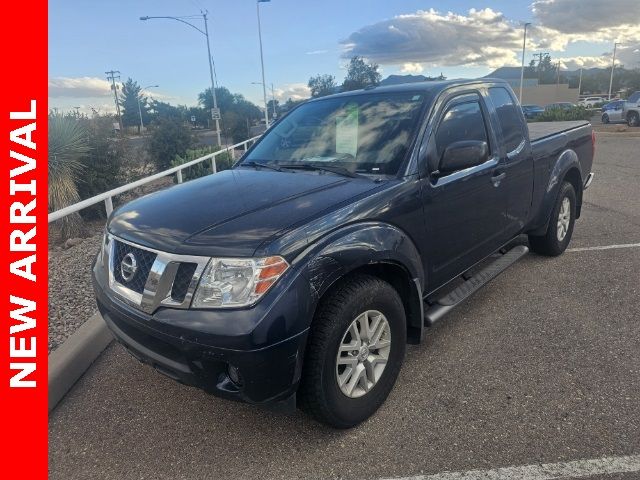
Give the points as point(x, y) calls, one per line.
point(363, 353)
point(564, 218)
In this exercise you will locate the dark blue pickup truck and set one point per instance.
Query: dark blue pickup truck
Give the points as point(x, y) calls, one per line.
point(355, 223)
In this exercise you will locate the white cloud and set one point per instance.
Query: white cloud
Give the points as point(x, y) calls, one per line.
point(628, 56)
point(436, 38)
point(487, 38)
point(412, 67)
point(293, 91)
point(79, 87)
point(590, 19)
point(316, 52)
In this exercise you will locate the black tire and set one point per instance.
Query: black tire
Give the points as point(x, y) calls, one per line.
point(319, 393)
point(633, 119)
point(549, 243)
point(605, 118)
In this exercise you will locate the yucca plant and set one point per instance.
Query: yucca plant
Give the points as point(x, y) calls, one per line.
point(67, 146)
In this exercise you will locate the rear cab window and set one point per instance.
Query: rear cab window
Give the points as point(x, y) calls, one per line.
point(509, 118)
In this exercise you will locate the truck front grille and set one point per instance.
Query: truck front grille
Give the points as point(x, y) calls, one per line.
point(182, 281)
point(143, 260)
point(147, 279)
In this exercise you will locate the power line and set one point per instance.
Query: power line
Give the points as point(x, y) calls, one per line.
point(111, 75)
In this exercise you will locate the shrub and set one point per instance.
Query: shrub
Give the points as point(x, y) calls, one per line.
point(223, 162)
point(105, 164)
point(558, 114)
point(169, 139)
point(67, 147)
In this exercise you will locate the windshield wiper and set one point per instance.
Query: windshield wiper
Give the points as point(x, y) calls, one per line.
point(261, 165)
point(326, 168)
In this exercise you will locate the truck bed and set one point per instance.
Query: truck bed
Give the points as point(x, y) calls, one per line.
point(540, 130)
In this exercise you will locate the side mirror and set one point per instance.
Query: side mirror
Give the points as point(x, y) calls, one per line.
point(463, 154)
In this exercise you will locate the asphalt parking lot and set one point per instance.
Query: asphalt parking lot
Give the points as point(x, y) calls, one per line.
point(540, 366)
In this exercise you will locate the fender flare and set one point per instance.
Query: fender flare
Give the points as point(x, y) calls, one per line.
point(361, 245)
point(567, 161)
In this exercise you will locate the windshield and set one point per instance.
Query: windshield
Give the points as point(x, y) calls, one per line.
point(368, 133)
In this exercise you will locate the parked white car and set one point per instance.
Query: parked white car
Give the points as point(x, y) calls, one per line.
point(590, 101)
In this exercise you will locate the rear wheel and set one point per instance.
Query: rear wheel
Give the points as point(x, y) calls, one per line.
point(355, 351)
point(633, 119)
point(560, 228)
point(605, 118)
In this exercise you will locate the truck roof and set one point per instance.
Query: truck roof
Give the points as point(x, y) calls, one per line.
point(429, 86)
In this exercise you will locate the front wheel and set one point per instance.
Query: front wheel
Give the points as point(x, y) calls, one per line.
point(633, 119)
point(355, 351)
point(605, 118)
point(560, 228)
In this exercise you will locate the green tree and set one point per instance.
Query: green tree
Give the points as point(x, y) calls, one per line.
point(165, 110)
point(67, 146)
point(170, 137)
point(131, 95)
point(546, 71)
point(360, 74)
point(322, 85)
point(237, 112)
point(271, 107)
point(229, 102)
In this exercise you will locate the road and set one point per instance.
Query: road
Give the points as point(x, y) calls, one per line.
point(540, 366)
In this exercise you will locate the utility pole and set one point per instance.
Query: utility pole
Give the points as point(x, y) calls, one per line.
point(264, 85)
point(558, 74)
point(580, 83)
point(111, 75)
point(524, 45)
point(613, 66)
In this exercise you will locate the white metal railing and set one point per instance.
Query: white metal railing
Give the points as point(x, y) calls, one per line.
point(107, 197)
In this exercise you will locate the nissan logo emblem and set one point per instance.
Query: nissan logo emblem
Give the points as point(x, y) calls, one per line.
point(128, 267)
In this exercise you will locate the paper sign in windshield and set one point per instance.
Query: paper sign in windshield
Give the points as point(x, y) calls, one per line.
point(347, 131)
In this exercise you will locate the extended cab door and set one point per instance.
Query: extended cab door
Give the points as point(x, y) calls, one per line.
point(515, 153)
point(465, 209)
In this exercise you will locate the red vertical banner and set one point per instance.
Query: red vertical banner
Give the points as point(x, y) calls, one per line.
point(23, 228)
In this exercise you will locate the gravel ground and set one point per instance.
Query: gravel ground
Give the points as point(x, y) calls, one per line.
point(71, 300)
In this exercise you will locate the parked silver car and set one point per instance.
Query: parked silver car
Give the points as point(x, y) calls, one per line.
point(613, 112)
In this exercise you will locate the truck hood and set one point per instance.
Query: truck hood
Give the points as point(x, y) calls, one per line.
point(233, 212)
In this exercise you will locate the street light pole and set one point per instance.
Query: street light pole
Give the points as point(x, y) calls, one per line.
point(264, 85)
point(524, 44)
point(213, 85)
point(140, 109)
point(204, 32)
point(613, 66)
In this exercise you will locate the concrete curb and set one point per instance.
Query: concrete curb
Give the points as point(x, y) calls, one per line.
point(71, 359)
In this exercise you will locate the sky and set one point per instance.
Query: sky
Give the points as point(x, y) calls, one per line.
point(302, 38)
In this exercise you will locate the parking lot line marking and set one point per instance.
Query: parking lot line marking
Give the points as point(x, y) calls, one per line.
point(545, 471)
point(604, 247)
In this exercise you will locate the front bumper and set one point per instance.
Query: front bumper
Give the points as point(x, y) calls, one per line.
point(264, 344)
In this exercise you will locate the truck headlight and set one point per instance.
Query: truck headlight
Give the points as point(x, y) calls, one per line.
point(237, 282)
